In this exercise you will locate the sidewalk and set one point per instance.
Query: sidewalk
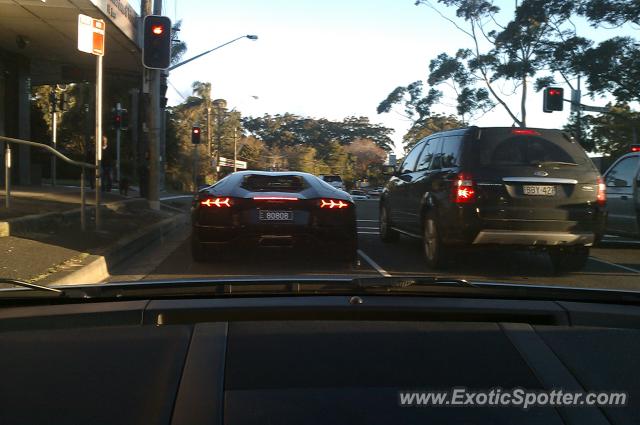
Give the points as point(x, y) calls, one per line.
point(49, 243)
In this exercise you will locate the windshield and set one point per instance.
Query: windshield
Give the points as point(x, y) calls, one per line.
point(529, 150)
point(262, 183)
point(476, 140)
point(332, 179)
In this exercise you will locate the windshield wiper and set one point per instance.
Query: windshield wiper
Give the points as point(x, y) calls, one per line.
point(541, 163)
point(33, 286)
point(405, 282)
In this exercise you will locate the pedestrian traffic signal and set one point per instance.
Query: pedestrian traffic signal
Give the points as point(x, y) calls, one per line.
point(156, 46)
point(195, 135)
point(117, 119)
point(553, 99)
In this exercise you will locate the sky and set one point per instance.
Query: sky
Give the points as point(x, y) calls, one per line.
point(326, 58)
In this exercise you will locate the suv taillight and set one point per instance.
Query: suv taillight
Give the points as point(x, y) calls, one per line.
point(464, 191)
point(601, 194)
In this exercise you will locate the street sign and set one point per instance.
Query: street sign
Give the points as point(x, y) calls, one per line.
point(601, 109)
point(226, 162)
point(91, 35)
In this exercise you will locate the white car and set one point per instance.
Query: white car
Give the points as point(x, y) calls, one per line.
point(358, 195)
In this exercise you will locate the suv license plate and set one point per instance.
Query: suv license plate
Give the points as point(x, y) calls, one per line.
point(539, 190)
point(272, 215)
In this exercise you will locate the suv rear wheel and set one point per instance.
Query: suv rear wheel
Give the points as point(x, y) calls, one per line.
point(569, 259)
point(435, 251)
point(387, 234)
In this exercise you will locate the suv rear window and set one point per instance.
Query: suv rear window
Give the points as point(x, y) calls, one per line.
point(501, 147)
point(260, 183)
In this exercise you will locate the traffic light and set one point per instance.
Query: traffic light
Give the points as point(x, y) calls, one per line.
point(117, 119)
point(553, 99)
point(156, 46)
point(195, 135)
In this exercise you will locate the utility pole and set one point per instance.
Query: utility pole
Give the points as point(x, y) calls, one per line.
point(578, 113)
point(154, 128)
point(220, 105)
point(209, 129)
point(235, 148)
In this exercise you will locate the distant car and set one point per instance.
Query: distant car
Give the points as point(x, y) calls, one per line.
point(623, 197)
point(375, 193)
point(358, 195)
point(273, 209)
point(518, 187)
point(333, 180)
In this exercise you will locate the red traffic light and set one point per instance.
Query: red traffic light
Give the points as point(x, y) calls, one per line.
point(195, 135)
point(553, 99)
point(156, 46)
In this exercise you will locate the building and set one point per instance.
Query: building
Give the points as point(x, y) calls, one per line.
point(38, 46)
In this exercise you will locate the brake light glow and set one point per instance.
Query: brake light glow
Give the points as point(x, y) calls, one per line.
point(216, 202)
point(333, 204)
point(274, 198)
point(463, 190)
point(601, 195)
point(524, 132)
point(635, 148)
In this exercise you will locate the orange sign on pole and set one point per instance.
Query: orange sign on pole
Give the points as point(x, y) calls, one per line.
point(91, 35)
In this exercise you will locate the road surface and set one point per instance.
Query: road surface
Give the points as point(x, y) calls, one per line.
point(614, 264)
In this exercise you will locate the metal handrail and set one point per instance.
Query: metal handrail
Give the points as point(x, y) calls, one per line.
point(50, 149)
point(7, 166)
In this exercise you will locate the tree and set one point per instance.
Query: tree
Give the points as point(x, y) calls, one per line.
point(366, 156)
point(428, 126)
point(581, 131)
point(613, 67)
point(514, 52)
point(178, 47)
point(613, 133)
point(612, 12)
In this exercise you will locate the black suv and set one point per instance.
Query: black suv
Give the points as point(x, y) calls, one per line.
point(518, 187)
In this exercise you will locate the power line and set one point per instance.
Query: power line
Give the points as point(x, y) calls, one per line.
point(177, 91)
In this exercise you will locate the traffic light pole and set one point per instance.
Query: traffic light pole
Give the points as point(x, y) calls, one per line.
point(118, 129)
point(154, 129)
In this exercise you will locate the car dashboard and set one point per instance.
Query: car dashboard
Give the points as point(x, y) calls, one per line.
point(310, 359)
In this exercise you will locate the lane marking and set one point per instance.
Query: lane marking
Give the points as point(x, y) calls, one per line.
point(373, 264)
point(617, 242)
point(368, 233)
point(367, 228)
point(375, 221)
point(629, 269)
point(168, 198)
